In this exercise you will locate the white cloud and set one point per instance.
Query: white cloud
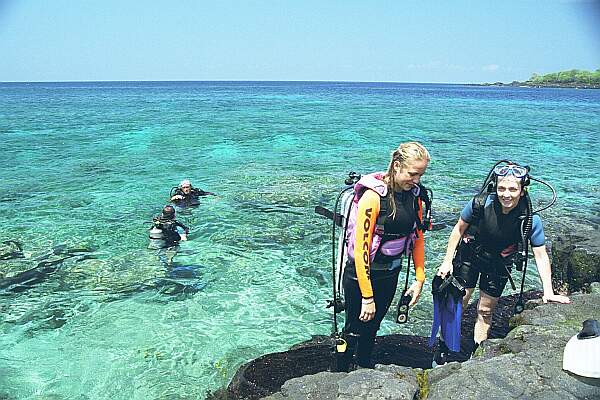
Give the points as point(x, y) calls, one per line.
point(437, 66)
point(490, 67)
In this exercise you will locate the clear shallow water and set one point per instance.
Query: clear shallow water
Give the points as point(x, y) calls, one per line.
point(87, 165)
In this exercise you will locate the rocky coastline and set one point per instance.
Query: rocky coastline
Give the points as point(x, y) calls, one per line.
point(522, 358)
point(529, 84)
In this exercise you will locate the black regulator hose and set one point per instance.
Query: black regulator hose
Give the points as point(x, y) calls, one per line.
point(427, 221)
point(547, 206)
point(526, 227)
point(344, 232)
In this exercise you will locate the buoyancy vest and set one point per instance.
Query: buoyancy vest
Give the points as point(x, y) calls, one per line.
point(386, 245)
point(492, 236)
point(169, 230)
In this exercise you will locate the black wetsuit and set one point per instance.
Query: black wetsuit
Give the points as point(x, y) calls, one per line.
point(190, 199)
point(169, 230)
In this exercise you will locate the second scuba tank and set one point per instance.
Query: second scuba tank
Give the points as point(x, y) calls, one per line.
point(157, 238)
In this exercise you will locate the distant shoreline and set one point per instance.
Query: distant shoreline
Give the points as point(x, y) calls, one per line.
point(572, 79)
point(529, 84)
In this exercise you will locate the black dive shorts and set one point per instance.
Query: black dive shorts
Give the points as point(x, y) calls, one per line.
point(491, 283)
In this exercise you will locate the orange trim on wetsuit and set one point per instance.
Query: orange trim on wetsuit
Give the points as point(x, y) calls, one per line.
point(418, 253)
point(366, 219)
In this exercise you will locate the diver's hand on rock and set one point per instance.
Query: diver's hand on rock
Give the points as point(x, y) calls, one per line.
point(445, 269)
point(556, 298)
point(367, 310)
point(415, 291)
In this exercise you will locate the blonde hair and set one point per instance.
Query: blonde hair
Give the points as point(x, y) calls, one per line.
point(405, 154)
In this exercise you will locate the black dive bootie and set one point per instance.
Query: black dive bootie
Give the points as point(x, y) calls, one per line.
point(440, 356)
point(365, 351)
point(343, 360)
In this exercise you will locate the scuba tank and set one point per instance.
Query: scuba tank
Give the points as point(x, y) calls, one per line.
point(157, 238)
point(340, 218)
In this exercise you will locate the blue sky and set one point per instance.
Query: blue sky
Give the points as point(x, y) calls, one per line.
point(342, 40)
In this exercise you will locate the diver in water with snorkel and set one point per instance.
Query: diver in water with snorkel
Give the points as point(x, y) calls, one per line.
point(492, 234)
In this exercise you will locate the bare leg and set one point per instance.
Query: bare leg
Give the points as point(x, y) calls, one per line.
point(485, 310)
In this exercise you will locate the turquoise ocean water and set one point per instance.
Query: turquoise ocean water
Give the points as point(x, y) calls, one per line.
point(85, 166)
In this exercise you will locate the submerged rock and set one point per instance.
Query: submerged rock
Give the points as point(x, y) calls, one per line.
point(10, 249)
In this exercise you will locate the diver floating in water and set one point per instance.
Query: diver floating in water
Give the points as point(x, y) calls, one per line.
point(164, 232)
point(185, 195)
point(165, 236)
point(492, 234)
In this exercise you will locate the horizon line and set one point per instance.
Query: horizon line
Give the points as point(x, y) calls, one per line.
point(245, 80)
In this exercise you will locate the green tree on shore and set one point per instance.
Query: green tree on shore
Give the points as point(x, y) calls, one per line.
point(571, 77)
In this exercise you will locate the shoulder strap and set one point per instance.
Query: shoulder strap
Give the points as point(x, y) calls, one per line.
point(478, 206)
point(423, 201)
point(383, 215)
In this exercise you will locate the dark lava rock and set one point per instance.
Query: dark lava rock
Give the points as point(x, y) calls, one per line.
point(576, 261)
point(267, 374)
point(525, 364)
point(385, 382)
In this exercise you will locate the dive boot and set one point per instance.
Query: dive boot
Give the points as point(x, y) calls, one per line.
point(440, 356)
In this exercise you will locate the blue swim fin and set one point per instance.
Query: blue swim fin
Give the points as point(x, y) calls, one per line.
point(447, 311)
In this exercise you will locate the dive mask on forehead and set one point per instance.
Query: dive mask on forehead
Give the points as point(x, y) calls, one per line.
point(516, 170)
